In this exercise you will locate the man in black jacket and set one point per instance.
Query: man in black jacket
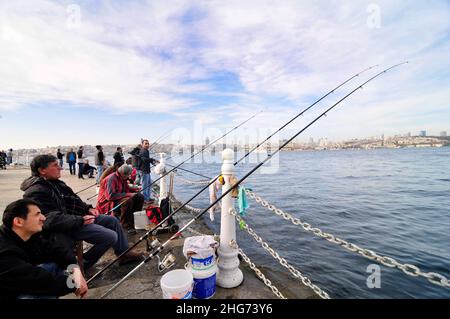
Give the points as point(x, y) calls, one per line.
point(118, 157)
point(31, 267)
point(69, 219)
point(145, 160)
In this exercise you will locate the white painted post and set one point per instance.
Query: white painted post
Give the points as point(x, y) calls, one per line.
point(229, 275)
point(162, 181)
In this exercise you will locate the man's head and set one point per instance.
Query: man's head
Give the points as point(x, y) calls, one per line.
point(46, 166)
point(125, 171)
point(98, 147)
point(145, 144)
point(119, 149)
point(24, 217)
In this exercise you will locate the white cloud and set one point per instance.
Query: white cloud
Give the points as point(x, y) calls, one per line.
point(141, 56)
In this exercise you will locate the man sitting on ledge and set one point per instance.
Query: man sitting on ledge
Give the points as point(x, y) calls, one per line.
point(69, 219)
point(31, 267)
point(114, 191)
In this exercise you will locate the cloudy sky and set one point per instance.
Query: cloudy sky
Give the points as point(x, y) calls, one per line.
point(107, 72)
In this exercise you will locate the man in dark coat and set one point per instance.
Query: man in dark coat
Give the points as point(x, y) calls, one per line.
point(70, 219)
point(30, 266)
point(145, 161)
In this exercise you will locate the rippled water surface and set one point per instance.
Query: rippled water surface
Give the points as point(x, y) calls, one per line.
point(395, 202)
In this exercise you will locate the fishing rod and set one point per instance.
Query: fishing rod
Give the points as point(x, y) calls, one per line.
point(269, 157)
point(192, 156)
point(176, 167)
point(212, 181)
point(85, 189)
point(189, 171)
point(160, 138)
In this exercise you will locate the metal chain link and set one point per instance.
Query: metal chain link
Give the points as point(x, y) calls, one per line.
point(188, 207)
point(258, 272)
point(408, 269)
point(306, 281)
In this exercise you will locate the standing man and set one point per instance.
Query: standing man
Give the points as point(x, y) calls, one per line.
point(80, 155)
point(71, 158)
point(69, 219)
point(119, 160)
point(30, 266)
point(145, 161)
point(99, 162)
point(10, 156)
point(60, 155)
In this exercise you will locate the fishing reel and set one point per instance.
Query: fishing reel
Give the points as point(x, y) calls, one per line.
point(167, 262)
point(152, 245)
point(169, 259)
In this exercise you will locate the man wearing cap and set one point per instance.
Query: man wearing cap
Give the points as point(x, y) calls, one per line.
point(114, 191)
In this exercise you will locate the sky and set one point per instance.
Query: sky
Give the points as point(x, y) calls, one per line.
point(111, 72)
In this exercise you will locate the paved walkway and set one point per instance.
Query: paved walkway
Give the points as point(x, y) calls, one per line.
point(144, 284)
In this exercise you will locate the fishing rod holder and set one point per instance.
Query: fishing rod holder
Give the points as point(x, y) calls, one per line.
point(167, 262)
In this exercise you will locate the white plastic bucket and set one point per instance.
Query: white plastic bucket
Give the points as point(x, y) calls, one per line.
point(177, 284)
point(141, 220)
point(204, 282)
point(198, 263)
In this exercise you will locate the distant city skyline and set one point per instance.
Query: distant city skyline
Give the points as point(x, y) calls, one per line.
point(111, 72)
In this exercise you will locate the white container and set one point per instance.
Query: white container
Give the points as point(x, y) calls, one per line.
point(198, 263)
point(177, 284)
point(141, 220)
point(97, 189)
point(204, 282)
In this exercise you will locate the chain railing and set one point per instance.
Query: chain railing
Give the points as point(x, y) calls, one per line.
point(408, 269)
point(186, 181)
point(296, 273)
point(258, 272)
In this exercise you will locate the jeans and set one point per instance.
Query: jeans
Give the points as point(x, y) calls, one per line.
point(61, 163)
point(99, 173)
point(146, 189)
point(72, 168)
point(80, 170)
point(106, 232)
point(52, 268)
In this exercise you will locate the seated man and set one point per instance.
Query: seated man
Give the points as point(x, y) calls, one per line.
point(31, 267)
point(114, 190)
point(69, 219)
point(88, 169)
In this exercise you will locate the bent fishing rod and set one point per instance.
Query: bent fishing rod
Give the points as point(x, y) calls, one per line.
point(269, 157)
point(286, 124)
point(212, 181)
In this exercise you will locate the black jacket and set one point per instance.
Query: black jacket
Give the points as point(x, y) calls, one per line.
point(145, 160)
point(19, 273)
point(118, 158)
point(63, 209)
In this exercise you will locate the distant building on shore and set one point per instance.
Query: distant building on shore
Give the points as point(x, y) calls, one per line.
point(423, 133)
point(443, 134)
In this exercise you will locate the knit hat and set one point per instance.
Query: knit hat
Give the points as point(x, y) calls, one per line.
point(125, 170)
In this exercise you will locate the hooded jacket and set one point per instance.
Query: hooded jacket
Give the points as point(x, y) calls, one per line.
point(19, 273)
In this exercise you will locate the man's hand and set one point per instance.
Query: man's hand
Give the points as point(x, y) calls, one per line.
point(80, 282)
point(88, 219)
point(129, 194)
point(93, 212)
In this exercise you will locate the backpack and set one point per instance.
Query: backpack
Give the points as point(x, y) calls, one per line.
point(157, 213)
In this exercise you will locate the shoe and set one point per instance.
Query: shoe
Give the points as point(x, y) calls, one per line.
point(131, 256)
point(131, 231)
